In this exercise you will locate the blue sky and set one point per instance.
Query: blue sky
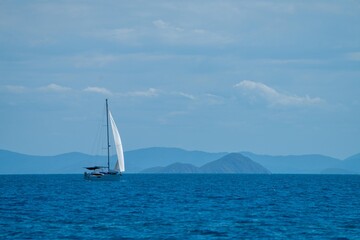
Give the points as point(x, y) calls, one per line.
point(271, 77)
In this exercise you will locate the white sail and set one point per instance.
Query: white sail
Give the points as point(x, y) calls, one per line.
point(120, 166)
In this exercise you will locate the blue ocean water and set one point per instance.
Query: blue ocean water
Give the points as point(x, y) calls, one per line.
point(156, 206)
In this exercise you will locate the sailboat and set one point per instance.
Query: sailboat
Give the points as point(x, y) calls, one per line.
point(106, 173)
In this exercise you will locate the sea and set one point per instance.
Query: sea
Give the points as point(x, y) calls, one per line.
point(180, 206)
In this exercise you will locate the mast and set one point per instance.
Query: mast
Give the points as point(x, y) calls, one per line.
point(107, 134)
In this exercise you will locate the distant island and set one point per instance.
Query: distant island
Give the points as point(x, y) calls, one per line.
point(175, 160)
point(230, 163)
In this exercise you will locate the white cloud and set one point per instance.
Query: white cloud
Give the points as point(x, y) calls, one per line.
point(49, 88)
point(163, 31)
point(151, 92)
point(173, 34)
point(163, 25)
point(160, 24)
point(273, 97)
point(185, 95)
point(54, 88)
point(213, 99)
point(15, 88)
point(121, 33)
point(99, 90)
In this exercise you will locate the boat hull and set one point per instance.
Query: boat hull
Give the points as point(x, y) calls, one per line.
point(102, 176)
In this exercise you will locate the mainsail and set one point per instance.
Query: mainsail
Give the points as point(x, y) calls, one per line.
point(120, 166)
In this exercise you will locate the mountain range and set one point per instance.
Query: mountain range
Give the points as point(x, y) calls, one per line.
point(175, 160)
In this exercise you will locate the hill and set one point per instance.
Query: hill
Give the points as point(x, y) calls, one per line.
point(17, 163)
point(303, 164)
point(351, 164)
point(231, 163)
point(138, 160)
point(337, 171)
point(173, 168)
point(234, 163)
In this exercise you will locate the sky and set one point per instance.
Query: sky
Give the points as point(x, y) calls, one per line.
point(270, 77)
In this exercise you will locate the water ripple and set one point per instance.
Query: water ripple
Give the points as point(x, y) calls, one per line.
point(180, 206)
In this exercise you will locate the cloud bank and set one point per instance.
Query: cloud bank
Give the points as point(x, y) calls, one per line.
point(273, 97)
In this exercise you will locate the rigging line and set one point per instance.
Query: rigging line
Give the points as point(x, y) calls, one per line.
point(98, 142)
